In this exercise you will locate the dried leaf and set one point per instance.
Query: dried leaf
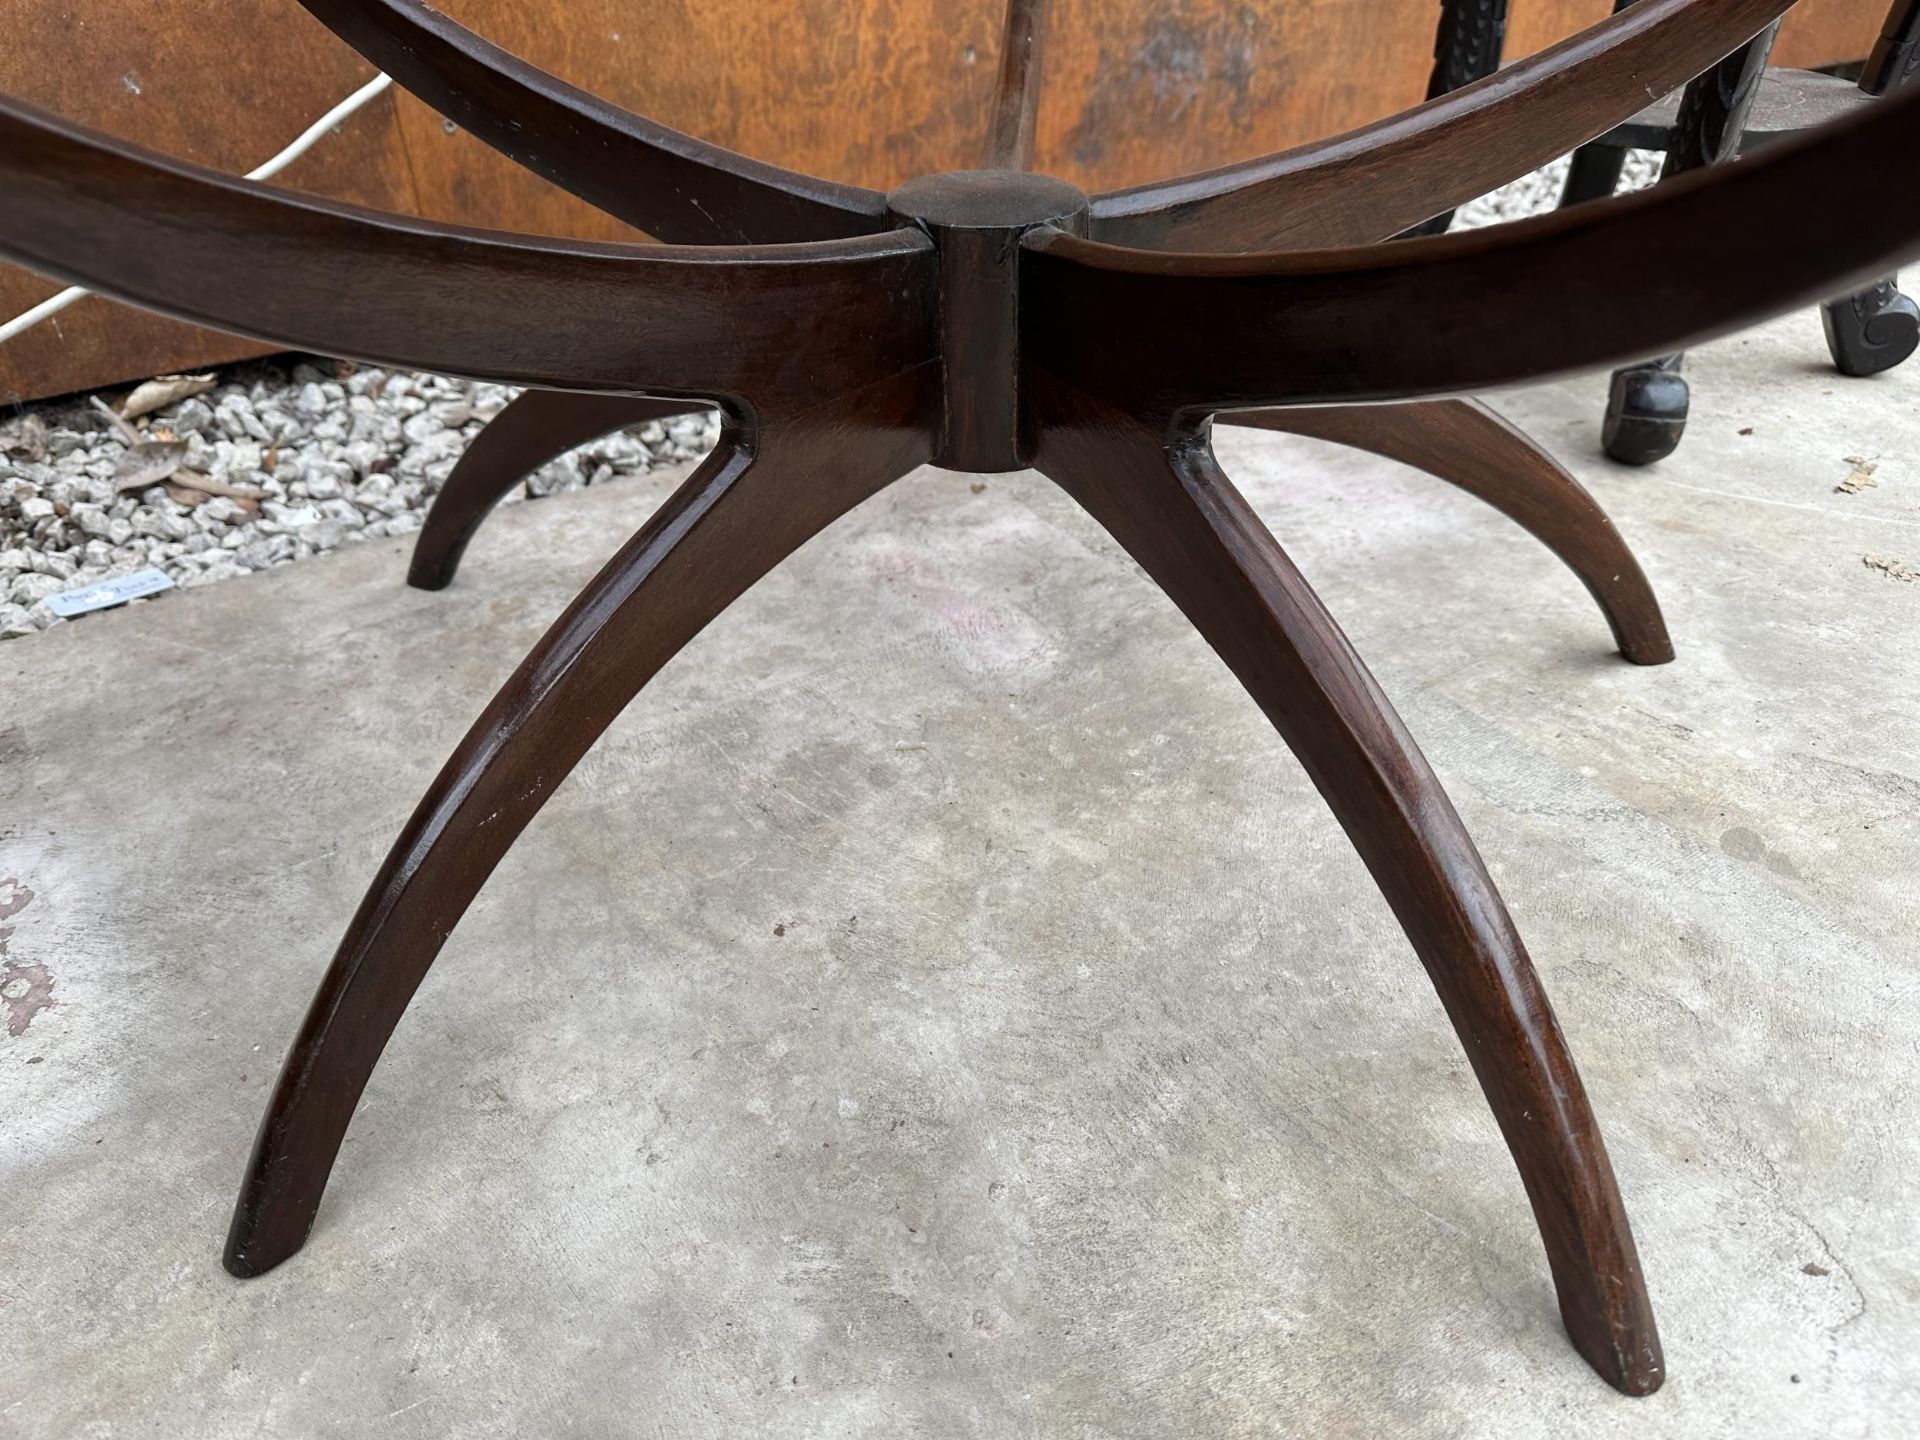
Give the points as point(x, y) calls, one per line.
point(180, 494)
point(1861, 477)
point(148, 463)
point(127, 432)
point(207, 485)
point(162, 391)
point(1892, 568)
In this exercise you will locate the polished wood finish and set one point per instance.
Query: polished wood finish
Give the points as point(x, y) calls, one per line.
point(669, 184)
point(537, 426)
point(980, 328)
point(1875, 329)
point(760, 496)
point(1165, 500)
point(1372, 182)
point(868, 92)
point(1461, 314)
point(175, 78)
point(1469, 446)
point(697, 320)
point(1016, 98)
point(1459, 441)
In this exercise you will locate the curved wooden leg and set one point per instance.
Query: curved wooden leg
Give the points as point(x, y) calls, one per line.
point(534, 428)
point(1169, 505)
point(1468, 445)
point(753, 502)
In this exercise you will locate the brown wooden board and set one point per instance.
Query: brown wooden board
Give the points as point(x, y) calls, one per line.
point(227, 83)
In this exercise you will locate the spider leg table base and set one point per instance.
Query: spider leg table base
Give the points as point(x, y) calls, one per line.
point(1153, 484)
point(993, 321)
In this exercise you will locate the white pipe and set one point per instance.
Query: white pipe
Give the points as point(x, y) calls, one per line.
point(308, 138)
point(320, 127)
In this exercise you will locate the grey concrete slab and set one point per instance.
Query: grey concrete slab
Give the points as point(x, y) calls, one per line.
point(941, 1007)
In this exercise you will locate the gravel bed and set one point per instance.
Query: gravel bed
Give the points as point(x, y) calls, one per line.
point(278, 461)
point(285, 459)
point(1539, 192)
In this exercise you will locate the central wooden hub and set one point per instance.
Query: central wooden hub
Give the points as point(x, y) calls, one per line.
point(1006, 200)
point(976, 219)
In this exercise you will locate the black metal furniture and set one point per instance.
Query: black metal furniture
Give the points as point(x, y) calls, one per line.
point(1740, 105)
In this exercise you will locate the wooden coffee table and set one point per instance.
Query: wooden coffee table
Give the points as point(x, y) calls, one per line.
point(990, 321)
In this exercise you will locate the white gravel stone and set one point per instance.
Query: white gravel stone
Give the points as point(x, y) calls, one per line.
point(339, 454)
point(1539, 192)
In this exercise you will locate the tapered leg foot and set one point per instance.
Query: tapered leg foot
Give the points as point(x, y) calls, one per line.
point(752, 503)
point(1873, 330)
point(1468, 445)
point(535, 427)
point(1167, 503)
point(1646, 412)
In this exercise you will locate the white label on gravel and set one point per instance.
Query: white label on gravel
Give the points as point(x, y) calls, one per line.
point(103, 593)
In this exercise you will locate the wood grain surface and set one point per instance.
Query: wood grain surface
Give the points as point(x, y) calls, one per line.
point(985, 331)
point(866, 91)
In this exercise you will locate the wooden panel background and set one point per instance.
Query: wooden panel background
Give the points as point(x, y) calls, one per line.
point(870, 91)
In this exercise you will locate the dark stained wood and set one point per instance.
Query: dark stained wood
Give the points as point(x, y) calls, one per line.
point(1468, 445)
point(1459, 441)
point(1375, 181)
point(975, 219)
point(671, 185)
point(868, 92)
point(1462, 314)
point(535, 428)
point(982, 331)
point(759, 497)
point(1165, 500)
point(1738, 106)
point(1875, 329)
point(176, 78)
point(782, 327)
point(1016, 96)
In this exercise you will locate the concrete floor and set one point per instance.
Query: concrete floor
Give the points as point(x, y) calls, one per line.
point(941, 1007)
